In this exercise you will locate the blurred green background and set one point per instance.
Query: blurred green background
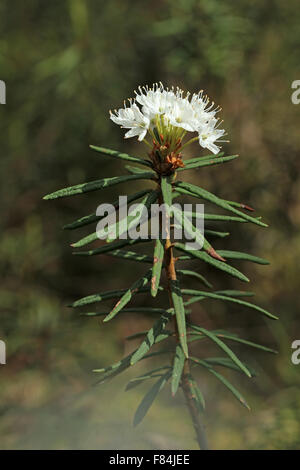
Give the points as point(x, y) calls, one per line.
point(65, 64)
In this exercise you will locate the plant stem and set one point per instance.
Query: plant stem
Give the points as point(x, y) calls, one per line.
point(198, 427)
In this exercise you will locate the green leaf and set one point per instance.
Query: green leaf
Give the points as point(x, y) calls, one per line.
point(114, 369)
point(228, 363)
point(174, 194)
point(230, 293)
point(187, 272)
point(235, 293)
point(242, 256)
point(141, 334)
point(90, 299)
point(123, 364)
point(217, 217)
point(120, 155)
point(135, 382)
point(180, 314)
point(149, 398)
point(96, 185)
point(131, 256)
point(196, 394)
point(158, 258)
point(240, 205)
point(197, 336)
point(225, 348)
point(203, 194)
point(194, 233)
point(148, 375)
point(247, 343)
point(151, 337)
point(127, 310)
point(132, 220)
point(136, 286)
point(135, 170)
point(214, 233)
point(214, 295)
point(197, 163)
point(224, 381)
point(178, 365)
point(166, 188)
point(92, 218)
point(214, 262)
point(107, 247)
point(232, 337)
point(193, 300)
point(203, 158)
point(97, 297)
point(160, 351)
point(120, 227)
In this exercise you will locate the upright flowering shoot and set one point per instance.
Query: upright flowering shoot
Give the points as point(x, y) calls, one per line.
point(167, 116)
point(162, 119)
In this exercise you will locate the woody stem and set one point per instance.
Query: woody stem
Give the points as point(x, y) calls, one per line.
point(185, 383)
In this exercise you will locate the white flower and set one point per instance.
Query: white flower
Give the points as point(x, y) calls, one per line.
point(155, 100)
point(209, 135)
point(181, 115)
point(132, 118)
point(170, 114)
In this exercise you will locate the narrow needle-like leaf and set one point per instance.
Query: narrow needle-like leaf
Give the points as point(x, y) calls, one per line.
point(204, 194)
point(151, 337)
point(96, 185)
point(226, 349)
point(224, 381)
point(214, 262)
point(180, 314)
point(178, 365)
point(92, 218)
point(197, 163)
point(120, 155)
point(215, 295)
point(158, 258)
point(136, 286)
point(149, 398)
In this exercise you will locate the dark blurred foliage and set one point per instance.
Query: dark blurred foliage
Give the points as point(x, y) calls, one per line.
point(65, 65)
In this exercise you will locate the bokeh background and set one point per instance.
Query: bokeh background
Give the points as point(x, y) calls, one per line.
point(65, 65)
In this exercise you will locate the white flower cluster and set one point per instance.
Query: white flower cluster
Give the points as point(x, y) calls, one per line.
point(172, 113)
